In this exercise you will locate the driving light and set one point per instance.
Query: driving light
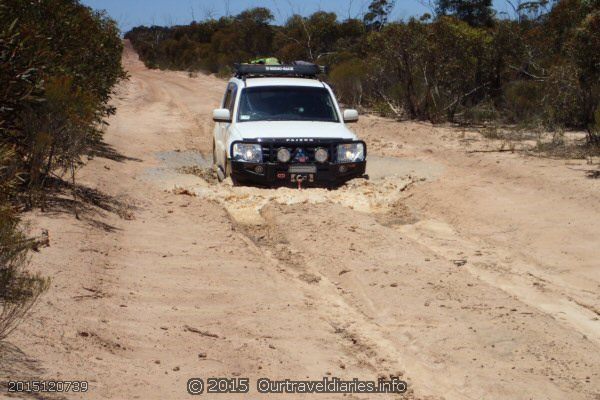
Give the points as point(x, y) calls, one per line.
point(283, 155)
point(249, 152)
point(350, 152)
point(321, 155)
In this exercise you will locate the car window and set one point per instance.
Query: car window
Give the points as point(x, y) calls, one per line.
point(232, 98)
point(226, 98)
point(229, 98)
point(286, 103)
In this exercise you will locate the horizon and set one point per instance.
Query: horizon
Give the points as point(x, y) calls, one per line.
point(131, 13)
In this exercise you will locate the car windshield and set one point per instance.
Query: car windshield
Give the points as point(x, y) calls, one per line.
point(286, 103)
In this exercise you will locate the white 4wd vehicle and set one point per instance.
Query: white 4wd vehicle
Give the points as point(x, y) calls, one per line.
point(279, 124)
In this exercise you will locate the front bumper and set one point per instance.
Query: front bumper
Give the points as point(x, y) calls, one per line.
point(270, 172)
point(279, 174)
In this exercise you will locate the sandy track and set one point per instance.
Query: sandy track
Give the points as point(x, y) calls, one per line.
point(469, 275)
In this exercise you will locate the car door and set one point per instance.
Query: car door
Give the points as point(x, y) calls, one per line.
point(222, 128)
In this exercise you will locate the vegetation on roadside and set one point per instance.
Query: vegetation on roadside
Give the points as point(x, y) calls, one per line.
point(464, 64)
point(58, 63)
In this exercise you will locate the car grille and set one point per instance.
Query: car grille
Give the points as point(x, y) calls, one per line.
point(308, 149)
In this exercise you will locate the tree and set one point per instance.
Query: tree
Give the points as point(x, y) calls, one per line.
point(463, 65)
point(586, 51)
point(377, 16)
point(474, 12)
point(308, 38)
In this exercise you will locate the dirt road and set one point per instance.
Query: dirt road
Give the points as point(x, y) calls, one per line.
point(471, 275)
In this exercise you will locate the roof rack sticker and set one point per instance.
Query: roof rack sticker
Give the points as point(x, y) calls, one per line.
point(307, 70)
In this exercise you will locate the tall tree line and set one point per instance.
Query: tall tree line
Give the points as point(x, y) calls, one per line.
point(463, 64)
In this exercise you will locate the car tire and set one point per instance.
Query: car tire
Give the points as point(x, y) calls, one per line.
point(235, 181)
point(214, 154)
point(218, 170)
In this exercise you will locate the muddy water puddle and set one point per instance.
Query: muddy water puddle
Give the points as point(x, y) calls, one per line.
point(388, 178)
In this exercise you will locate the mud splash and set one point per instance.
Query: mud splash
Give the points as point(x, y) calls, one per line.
point(245, 203)
point(380, 194)
point(389, 177)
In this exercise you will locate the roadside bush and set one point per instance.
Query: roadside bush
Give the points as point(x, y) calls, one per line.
point(482, 113)
point(594, 133)
point(347, 79)
point(586, 53)
point(59, 61)
point(563, 103)
point(65, 61)
point(18, 289)
point(523, 100)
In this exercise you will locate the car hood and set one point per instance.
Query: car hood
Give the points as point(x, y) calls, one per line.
point(291, 129)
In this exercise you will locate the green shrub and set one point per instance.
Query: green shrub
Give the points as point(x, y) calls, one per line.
point(347, 79)
point(65, 60)
point(480, 113)
point(594, 130)
point(523, 101)
point(224, 72)
point(59, 61)
point(18, 289)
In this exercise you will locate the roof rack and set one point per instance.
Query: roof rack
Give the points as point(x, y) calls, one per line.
point(302, 70)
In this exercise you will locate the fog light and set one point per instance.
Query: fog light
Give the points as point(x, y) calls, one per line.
point(283, 155)
point(321, 155)
point(343, 168)
point(259, 169)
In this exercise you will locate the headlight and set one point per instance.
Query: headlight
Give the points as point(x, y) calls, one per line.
point(248, 152)
point(321, 155)
point(350, 152)
point(283, 155)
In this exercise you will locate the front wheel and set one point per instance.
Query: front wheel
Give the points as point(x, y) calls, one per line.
point(234, 180)
point(218, 170)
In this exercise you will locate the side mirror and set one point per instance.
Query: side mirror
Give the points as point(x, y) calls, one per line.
point(350, 115)
point(221, 115)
